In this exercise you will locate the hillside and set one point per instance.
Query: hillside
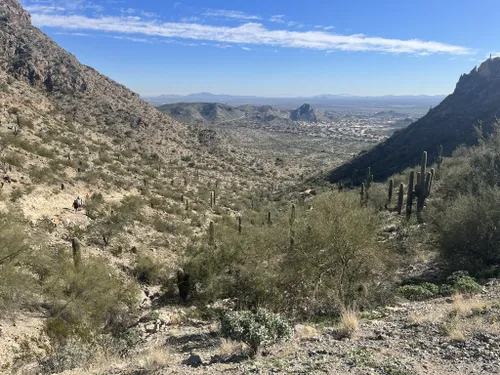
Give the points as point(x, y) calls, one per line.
point(475, 100)
point(192, 255)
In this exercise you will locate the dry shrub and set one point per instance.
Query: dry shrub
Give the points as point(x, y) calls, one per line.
point(348, 322)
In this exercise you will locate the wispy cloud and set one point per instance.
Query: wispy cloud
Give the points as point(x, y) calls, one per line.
point(190, 19)
point(278, 18)
point(246, 48)
point(248, 34)
point(328, 28)
point(231, 14)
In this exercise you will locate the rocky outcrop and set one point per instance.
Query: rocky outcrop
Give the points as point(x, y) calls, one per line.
point(304, 113)
point(475, 100)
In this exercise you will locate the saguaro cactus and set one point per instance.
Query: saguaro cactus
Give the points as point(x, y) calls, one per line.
point(389, 194)
point(292, 216)
point(362, 193)
point(269, 222)
point(77, 252)
point(400, 198)
point(369, 179)
point(211, 234)
point(424, 183)
point(410, 195)
point(239, 224)
point(440, 158)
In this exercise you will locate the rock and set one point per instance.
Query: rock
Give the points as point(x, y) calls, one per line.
point(151, 328)
point(194, 360)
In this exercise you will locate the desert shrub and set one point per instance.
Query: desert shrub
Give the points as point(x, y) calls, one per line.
point(462, 283)
point(468, 231)
point(336, 259)
point(16, 284)
point(66, 356)
point(418, 292)
point(14, 159)
point(164, 226)
point(243, 267)
point(94, 206)
point(147, 270)
point(257, 329)
point(86, 300)
point(16, 194)
point(40, 175)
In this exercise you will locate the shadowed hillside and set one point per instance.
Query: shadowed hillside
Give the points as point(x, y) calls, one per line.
point(476, 99)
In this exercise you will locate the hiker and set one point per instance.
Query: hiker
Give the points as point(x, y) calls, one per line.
point(77, 204)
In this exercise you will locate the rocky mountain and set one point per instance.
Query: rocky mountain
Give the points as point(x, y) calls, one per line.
point(475, 101)
point(220, 114)
point(305, 113)
point(77, 90)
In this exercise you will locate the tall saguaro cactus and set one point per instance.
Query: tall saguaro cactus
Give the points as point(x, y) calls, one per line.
point(440, 158)
point(77, 252)
point(410, 195)
point(211, 234)
point(424, 183)
point(401, 194)
point(389, 194)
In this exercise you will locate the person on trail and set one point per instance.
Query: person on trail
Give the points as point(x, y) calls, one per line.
point(77, 204)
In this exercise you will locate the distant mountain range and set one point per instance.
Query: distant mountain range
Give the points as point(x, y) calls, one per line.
point(224, 114)
point(323, 102)
point(476, 100)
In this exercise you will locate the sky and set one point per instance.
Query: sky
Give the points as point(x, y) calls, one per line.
point(276, 48)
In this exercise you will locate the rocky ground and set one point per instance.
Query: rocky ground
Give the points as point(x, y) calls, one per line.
point(454, 335)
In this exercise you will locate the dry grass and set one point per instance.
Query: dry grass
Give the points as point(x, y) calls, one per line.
point(456, 334)
point(465, 307)
point(157, 357)
point(229, 348)
point(348, 322)
point(304, 332)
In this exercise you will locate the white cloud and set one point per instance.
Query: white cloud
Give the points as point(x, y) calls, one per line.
point(278, 18)
point(232, 14)
point(328, 28)
point(248, 33)
point(43, 8)
point(246, 48)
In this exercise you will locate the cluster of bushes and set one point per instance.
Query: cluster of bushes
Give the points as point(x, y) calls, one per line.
point(459, 282)
point(467, 218)
point(317, 263)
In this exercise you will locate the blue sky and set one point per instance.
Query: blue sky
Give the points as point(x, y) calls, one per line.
point(276, 47)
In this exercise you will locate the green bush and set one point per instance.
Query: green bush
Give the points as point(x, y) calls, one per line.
point(16, 283)
point(336, 259)
point(461, 282)
point(147, 270)
point(255, 329)
point(468, 231)
point(87, 300)
point(418, 292)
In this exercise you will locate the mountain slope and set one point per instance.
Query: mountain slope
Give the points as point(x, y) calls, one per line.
point(78, 90)
point(476, 99)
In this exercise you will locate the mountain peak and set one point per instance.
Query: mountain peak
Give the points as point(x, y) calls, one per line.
point(451, 123)
point(304, 113)
point(11, 11)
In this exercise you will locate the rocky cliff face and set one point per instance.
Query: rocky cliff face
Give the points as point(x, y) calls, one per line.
point(77, 90)
point(304, 113)
point(476, 100)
